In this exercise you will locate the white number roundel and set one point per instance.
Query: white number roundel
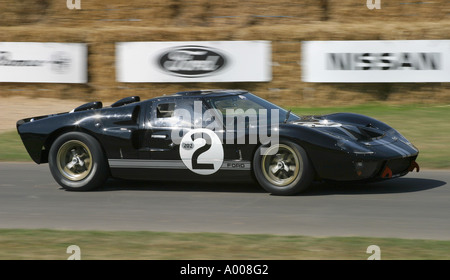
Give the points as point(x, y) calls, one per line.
point(201, 151)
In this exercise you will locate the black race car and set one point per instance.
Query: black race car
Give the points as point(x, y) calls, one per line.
point(213, 135)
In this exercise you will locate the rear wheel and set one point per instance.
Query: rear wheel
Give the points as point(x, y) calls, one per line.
point(77, 162)
point(283, 169)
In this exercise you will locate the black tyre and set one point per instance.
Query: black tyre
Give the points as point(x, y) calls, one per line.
point(77, 162)
point(283, 169)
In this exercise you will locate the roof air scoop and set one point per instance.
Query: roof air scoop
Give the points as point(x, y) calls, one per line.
point(88, 106)
point(372, 133)
point(126, 100)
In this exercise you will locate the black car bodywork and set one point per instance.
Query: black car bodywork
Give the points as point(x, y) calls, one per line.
point(132, 139)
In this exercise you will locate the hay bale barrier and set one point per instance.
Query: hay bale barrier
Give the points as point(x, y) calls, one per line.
point(286, 23)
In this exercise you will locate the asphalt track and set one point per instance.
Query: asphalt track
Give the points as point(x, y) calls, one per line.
point(415, 206)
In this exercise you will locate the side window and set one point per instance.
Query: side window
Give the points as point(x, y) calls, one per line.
point(162, 114)
point(172, 113)
point(165, 110)
point(180, 113)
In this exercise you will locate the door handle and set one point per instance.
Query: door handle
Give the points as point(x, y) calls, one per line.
point(159, 136)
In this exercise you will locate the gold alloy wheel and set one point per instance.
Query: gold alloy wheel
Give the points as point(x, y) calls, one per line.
point(282, 167)
point(74, 160)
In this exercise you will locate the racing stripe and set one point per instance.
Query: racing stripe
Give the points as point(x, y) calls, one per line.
point(346, 132)
point(401, 149)
point(142, 163)
point(172, 164)
point(394, 148)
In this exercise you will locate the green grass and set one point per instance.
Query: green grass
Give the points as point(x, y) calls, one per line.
point(427, 127)
point(52, 244)
point(11, 147)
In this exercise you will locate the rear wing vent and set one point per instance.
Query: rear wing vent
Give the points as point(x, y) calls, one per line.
point(126, 100)
point(89, 106)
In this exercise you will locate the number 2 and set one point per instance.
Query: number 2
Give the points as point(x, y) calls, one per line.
point(201, 150)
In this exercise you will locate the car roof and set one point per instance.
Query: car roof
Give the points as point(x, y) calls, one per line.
point(199, 93)
point(210, 92)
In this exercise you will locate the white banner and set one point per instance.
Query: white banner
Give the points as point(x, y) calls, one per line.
point(376, 61)
point(24, 62)
point(197, 61)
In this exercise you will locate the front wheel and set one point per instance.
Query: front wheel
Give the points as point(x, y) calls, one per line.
point(77, 162)
point(283, 169)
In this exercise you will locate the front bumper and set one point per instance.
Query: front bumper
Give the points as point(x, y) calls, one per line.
point(384, 162)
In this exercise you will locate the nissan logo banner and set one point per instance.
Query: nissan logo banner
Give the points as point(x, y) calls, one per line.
point(406, 61)
point(178, 62)
point(23, 62)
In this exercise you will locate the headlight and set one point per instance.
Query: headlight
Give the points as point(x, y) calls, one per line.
point(353, 147)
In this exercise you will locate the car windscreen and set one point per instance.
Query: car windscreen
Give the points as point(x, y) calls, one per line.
point(247, 104)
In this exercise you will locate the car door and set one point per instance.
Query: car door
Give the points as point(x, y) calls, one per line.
point(172, 139)
point(161, 122)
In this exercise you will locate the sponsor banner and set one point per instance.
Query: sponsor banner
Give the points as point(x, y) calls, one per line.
point(376, 61)
point(197, 61)
point(24, 62)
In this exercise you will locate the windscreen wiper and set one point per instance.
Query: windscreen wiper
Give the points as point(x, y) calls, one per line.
point(287, 116)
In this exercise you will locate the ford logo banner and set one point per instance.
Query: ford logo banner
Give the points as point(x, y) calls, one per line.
point(192, 61)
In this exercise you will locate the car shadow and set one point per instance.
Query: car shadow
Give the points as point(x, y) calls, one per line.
point(399, 185)
point(237, 187)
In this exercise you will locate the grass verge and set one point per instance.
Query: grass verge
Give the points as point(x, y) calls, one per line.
point(41, 244)
point(11, 147)
point(427, 127)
